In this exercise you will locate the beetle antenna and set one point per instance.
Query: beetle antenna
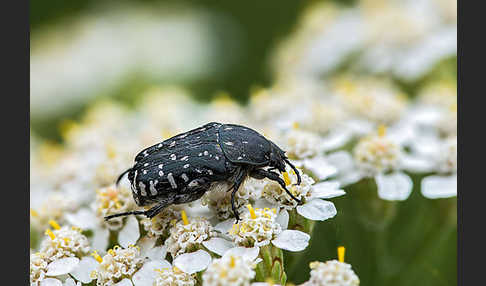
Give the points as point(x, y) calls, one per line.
point(295, 170)
point(121, 176)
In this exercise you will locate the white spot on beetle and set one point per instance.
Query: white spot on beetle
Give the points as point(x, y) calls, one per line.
point(161, 173)
point(239, 158)
point(146, 164)
point(193, 183)
point(161, 166)
point(160, 145)
point(171, 181)
point(216, 157)
point(210, 172)
point(199, 171)
point(153, 191)
point(184, 158)
point(200, 154)
point(144, 172)
point(173, 156)
point(172, 144)
point(145, 154)
point(142, 189)
point(229, 143)
point(186, 166)
point(206, 153)
point(245, 142)
point(228, 128)
point(185, 177)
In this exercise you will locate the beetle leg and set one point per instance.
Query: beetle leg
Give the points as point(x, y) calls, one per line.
point(260, 173)
point(150, 213)
point(295, 170)
point(238, 181)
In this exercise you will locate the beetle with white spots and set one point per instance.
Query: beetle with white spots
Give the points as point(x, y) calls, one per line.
point(203, 161)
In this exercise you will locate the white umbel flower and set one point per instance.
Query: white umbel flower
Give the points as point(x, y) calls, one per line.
point(159, 225)
point(447, 160)
point(118, 264)
point(331, 273)
point(377, 154)
point(64, 242)
point(188, 236)
point(230, 270)
point(110, 200)
point(174, 277)
point(257, 228)
point(38, 268)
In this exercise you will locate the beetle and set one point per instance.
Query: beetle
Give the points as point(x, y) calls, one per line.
point(182, 168)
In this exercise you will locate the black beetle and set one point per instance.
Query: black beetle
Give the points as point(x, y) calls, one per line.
point(182, 168)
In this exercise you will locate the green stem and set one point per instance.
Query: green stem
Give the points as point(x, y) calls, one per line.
point(272, 265)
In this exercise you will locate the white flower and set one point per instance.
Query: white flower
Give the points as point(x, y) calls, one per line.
point(188, 235)
point(64, 242)
point(159, 225)
point(174, 277)
point(310, 194)
point(331, 273)
point(259, 227)
point(231, 270)
point(118, 264)
point(218, 199)
point(377, 154)
point(38, 267)
point(111, 200)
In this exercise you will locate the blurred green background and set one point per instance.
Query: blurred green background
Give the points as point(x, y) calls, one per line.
point(388, 243)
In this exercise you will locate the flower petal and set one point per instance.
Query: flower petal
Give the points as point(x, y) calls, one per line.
point(218, 245)
point(317, 210)
point(394, 187)
point(249, 253)
point(434, 187)
point(283, 219)
point(146, 244)
point(84, 219)
point(225, 225)
point(147, 274)
point(417, 164)
point(51, 282)
point(84, 268)
point(130, 233)
point(292, 240)
point(326, 190)
point(157, 253)
point(62, 266)
point(69, 282)
point(193, 262)
point(320, 167)
point(262, 203)
point(100, 239)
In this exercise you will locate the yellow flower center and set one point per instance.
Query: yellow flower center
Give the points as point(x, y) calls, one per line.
point(232, 262)
point(33, 213)
point(382, 130)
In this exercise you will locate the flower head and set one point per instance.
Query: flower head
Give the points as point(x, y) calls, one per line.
point(159, 225)
point(229, 270)
point(377, 154)
point(64, 242)
point(257, 228)
point(188, 235)
point(273, 192)
point(110, 200)
point(331, 273)
point(173, 277)
point(38, 267)
point(117, 264)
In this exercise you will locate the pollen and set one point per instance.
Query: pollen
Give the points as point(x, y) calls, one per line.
point(54, 224)
point(184, 218)
point(50, 234)
point(286, 178)
point(97, 256)
point(252, 211)
point(341, 250)
point(295, 125)
point(382, 130)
